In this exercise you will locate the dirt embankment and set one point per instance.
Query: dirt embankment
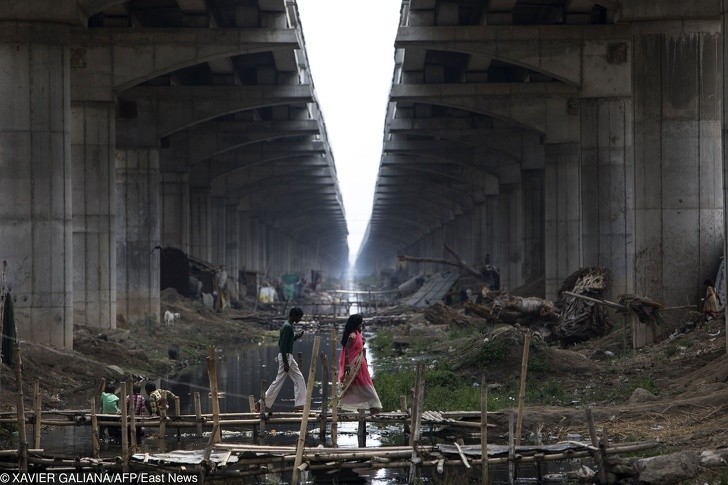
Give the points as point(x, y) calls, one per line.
point(68, 379)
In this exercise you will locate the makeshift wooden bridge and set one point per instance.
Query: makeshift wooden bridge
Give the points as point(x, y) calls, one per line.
point(226, 460)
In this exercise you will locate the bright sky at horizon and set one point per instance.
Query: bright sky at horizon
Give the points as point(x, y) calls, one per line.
point(350, 48)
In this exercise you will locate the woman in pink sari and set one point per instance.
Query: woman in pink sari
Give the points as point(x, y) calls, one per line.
point(356, 389)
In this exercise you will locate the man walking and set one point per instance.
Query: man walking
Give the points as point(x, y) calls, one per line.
point(287, 365)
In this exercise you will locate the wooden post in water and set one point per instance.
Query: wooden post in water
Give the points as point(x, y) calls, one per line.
point(95, 444)
point(132, 419)
point(484, 429)
point(417, 405)
point(361, 431)
point(162, 429)
point(177, 413)
point(251, 405)
point(406, 427)
point(263, 388)
point(522, 391)
point(334, 390)
point(306, 410)
point(323, 417)
point(20, 411)
point(37, 414)
point(124, 430)
point(212, 374)
point(198, 413)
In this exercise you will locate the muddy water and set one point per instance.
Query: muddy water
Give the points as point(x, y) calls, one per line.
point(240, 371)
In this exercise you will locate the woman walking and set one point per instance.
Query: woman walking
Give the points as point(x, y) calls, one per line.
point(357, 389)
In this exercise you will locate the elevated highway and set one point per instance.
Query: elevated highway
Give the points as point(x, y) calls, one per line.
point(548, 135)
point(129, 125)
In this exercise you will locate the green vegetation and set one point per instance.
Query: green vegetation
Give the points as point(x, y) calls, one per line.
point(621, 393)
point(444, 389)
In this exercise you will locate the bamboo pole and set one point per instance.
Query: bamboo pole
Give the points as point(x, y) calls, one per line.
point(177, 412)
point(212, 374)
point(522, 391)
point(334, 390)
point(124, 430)
point(37, 414)
point(261, 425)
point(511, 451)
point(484, 429)
point(323, 417)
point(403, 408)
point(595, 443)
point(132, 419)
point(198, 413)
point(20, 410)
point(416, 420)
point(361, 431)
point(95, 444)
point(306, 410)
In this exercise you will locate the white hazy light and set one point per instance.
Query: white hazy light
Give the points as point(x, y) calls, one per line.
point(350, 48)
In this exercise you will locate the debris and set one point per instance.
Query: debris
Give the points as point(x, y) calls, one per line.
point(580, 319)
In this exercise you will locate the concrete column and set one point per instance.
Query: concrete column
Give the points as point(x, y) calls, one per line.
point(201, 223)
point(679, 225)
point(94, 213)
point(510, 220)
point(465, 242)
point(219, 226)
point(35, 161)
point(230, 240)
point(562, 207)
point(175, 210)
point(607, 189)
point(137, 262)
point(533, 225)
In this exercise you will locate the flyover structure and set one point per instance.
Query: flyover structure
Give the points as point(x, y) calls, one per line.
point(128, 125)
point(547, 135)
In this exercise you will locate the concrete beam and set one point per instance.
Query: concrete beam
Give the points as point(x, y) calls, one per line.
point(557, 51)
point(210, 139)
point(546, 108)
point(161, 111)
point(124, 58)
point(505, 169)
point(514, 143)
point(266, 155)
point(481, 181)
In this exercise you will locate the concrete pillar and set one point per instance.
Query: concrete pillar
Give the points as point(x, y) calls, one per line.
point(137, 262)
point(562, 213)
point(607, 189)
point(533, 225)
point(94, 212)
point(218, 226)
point(35, 161)
point(230, 239)
point(174, 212)
point(510, 220)
point(465, 242)
point(201, 223)
point(679, 224)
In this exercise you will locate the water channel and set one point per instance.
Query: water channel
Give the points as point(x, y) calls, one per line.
point(240, 371)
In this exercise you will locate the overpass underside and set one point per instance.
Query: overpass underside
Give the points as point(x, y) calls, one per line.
point(551, 135)
point(129, 125)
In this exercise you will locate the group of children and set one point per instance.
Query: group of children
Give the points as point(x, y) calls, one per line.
point(155, 404)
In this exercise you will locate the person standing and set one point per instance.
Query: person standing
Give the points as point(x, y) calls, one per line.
point(357, 389)
point(287, 366)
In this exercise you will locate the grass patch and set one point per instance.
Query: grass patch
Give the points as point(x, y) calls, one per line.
point(444, 390)
point(621, 394)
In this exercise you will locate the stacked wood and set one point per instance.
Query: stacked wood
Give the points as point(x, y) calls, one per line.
point(581, 319)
